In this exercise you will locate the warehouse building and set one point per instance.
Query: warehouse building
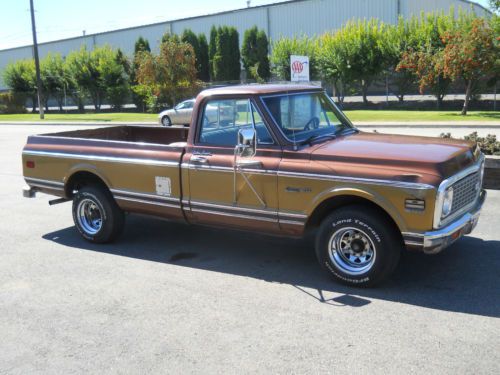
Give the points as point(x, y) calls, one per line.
point(295, 17)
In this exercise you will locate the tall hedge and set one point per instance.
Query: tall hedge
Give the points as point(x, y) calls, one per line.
point(226, 61)
point(254, 53)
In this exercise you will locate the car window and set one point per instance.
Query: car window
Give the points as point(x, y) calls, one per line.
point(223, 118)
point(179, 106)
point(188, 104)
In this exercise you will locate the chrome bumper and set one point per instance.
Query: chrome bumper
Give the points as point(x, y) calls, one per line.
point(435, 241)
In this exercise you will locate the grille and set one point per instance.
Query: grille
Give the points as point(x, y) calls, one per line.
point(465, 192)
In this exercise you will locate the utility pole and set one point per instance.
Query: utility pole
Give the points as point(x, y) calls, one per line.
point(37, 62)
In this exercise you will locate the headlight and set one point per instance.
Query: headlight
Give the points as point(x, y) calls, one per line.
point(447, 202)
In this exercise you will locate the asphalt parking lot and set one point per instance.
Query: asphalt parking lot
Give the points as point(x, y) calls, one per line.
point(172, 298)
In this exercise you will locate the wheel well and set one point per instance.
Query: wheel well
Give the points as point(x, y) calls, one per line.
point(329, 205)
point(80, 179)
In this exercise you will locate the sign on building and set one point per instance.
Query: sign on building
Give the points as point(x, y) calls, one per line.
point(299, 67)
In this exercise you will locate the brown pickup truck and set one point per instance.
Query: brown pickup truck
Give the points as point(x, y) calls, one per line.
point(283, 160)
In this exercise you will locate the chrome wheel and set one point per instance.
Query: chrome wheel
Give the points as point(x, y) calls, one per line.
point(89, 216)
point(352, 251)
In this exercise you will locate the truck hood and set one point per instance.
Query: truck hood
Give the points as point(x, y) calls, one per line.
point(398, 157)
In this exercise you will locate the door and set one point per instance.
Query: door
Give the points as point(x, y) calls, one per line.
point(221, 194)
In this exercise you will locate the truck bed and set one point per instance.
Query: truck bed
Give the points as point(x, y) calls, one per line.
point(133, 134)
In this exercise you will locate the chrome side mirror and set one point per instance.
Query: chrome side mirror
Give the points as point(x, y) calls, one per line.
point(247, 142)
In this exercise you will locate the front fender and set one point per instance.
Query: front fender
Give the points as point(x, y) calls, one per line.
point(365, 193)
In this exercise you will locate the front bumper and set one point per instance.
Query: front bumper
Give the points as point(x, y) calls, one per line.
point(434, 241)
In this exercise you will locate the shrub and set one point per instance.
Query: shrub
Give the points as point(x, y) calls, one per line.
point(11, 103)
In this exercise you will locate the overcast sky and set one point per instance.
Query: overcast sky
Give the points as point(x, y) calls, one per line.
point(58, 19)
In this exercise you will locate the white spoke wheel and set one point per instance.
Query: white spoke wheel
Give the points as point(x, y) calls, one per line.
point(352, 250)
point(96, 214)
point(89, 216)
point(358, 245)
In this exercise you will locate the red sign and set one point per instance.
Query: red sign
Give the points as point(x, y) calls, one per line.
point(297, 67)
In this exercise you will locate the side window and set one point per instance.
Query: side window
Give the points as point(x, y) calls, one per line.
point(223, 118)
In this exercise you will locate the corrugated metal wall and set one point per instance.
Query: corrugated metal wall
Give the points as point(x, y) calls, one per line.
point(311, 17)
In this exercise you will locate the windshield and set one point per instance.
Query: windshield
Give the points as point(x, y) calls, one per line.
point(305, 115)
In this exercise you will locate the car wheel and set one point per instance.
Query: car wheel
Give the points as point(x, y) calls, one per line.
point(165, 121)
point(96, 215)
point(358, 246)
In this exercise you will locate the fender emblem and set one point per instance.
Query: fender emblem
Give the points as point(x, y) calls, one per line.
point(292, 189)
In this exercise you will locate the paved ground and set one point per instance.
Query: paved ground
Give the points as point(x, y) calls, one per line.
point(177, 299)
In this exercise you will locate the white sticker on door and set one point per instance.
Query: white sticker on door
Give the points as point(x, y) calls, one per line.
point(163, 186)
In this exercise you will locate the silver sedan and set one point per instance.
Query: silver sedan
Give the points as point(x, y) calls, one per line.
point(179, 115)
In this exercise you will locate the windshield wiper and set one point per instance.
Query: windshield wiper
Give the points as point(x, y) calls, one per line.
point(317, 137)
point(348, 131)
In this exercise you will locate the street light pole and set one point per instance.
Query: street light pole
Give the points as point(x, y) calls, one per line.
point(37, 62)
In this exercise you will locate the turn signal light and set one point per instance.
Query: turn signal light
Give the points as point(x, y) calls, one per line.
point(30, 164)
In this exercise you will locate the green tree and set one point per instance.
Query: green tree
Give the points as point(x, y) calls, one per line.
point(399, 39)
point(114, 73)
point(254, 53)
point(494, 5)
point(331, 63)
point(283, 48)
point(98, 74)
point(468, 54)
point(168, 36)
point(188, 36)
point(203, 61)
point(226, 61)
point(363, 51)
point(54, 78)
point(20, 78)
point(212, 49)
point(425, 44)
point(84, 77)
point(141, 46)
point(168, 76)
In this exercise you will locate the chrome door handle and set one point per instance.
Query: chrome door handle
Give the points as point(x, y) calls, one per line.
point(199, 159)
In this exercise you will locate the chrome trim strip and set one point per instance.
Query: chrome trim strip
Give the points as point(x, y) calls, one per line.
point(401, 184)
point(103, 158)
point(412, 243)
point(144, 195)
point(51, 187)
point(234, 208)
point(276, 213)
point(410, 234)
point(118, 197)
point(226, 169)
point(291, 222)
point(234, 215)
point(438, 208)
point(42, 181)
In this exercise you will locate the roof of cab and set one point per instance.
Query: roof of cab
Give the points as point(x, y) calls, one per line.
point(259, 89)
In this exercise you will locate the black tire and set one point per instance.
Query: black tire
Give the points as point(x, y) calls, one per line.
point(358, 246)
point(165, 121)
point(96, 215)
